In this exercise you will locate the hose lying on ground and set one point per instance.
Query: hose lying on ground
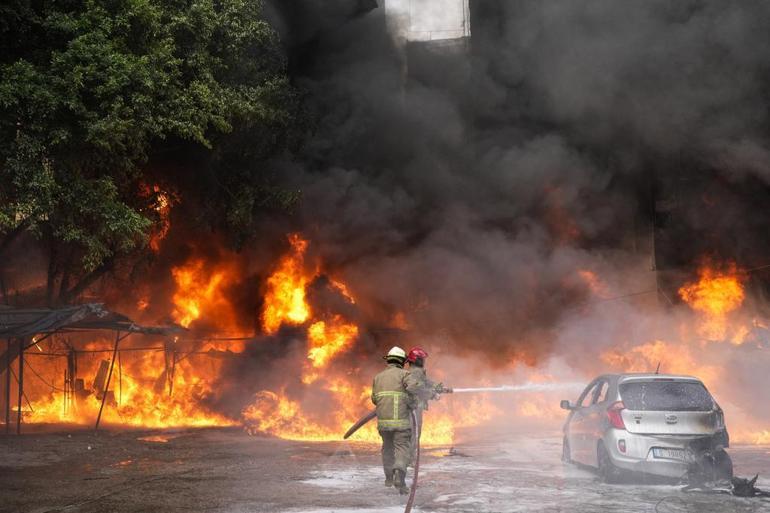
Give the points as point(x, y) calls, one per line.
point(417, 432)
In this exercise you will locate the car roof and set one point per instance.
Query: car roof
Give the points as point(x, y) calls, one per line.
point(646, 376)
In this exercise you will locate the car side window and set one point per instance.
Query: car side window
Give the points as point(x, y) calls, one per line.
point(587, 397)
point(600, 395)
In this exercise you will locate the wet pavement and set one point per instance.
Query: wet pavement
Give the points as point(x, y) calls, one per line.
point(227, 471)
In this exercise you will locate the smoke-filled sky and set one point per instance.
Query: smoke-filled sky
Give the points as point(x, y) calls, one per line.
point(468, 186)
point(473, 190)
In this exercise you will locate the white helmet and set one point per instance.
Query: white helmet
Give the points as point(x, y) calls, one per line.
point(396, 352)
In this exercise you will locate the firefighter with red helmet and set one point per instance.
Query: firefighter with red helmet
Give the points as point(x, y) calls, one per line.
point(420, 386)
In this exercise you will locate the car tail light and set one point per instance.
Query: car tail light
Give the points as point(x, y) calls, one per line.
point(719, 419)
point(613, 415)
point(622, 445)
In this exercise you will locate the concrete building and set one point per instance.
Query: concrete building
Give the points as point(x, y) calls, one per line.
point(427, 20)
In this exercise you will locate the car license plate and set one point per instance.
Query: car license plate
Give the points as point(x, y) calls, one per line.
point(669, 454)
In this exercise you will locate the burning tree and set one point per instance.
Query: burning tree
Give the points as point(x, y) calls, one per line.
point(91, 91)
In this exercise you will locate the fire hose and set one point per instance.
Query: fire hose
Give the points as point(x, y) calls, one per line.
point(418, 432)
point(534, 387)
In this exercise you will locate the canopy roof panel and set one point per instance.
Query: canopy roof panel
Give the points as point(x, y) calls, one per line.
point(27, 322)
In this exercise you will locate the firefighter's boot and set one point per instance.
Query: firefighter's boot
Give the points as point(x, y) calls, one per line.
point(389, 477)
point(399, 481)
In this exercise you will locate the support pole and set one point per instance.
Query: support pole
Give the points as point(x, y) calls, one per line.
point(72, 373)
point(66, 395)
point(29, 403)
point(120, 379)
point(109, 375)
point(21, 385)
point(8, 388)
point(173, 372)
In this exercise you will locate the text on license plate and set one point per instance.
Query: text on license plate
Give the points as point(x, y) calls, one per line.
point(671, 454)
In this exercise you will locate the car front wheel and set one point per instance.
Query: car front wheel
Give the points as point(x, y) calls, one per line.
point(608, 472)
point(566, 457)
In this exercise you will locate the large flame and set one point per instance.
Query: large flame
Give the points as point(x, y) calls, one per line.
point(285, 296)
point(201, 294)
point(714, 296)
point(344, 397)
point(143, 392)
point(327, 390)
point(164, 385)
point(194, 288)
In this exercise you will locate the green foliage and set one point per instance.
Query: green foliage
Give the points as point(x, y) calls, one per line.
point(89, 89)
point(97, 221)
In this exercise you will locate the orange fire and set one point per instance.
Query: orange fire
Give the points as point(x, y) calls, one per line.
point(274, 413)
point(160, 201)
point(714, 296)
point(326, 341)
point(141, 393)
point(344, 397)
point(328, 392)
point(193, 289)
point(200, 293)
point(164, 387)
point(285, 295)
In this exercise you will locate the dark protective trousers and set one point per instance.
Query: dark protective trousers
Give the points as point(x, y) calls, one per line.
point(396, 450)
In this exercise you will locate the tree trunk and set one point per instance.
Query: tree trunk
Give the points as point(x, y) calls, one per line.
point(67, 296)
point(12, 236)
point(51, 279)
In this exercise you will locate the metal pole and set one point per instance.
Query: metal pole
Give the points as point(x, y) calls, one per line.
point(120, 379)
point(29, 403)
point(64, 403)
point(21, 385)
point(8, 388)
point(72, 372)
point(107, 384)
point(173, 371)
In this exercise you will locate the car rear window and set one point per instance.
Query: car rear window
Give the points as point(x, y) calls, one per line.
point(666, 396)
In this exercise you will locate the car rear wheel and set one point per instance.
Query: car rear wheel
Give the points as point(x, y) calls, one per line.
point(723, 466)
point(566, 456)
point(608, 472)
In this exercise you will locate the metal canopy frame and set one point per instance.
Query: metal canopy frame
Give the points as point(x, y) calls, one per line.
point(24, 326)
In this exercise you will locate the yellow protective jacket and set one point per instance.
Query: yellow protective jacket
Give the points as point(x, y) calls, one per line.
point(392, 400)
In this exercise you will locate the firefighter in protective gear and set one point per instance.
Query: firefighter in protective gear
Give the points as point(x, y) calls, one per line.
point(423, 389)
point(418, 383)
point(394, 405)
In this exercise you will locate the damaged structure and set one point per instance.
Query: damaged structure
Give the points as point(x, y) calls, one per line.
point(26, 328)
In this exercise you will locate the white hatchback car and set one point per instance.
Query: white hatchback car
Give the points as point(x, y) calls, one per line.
point(657, 424)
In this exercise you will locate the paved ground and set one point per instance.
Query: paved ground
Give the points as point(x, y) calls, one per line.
point(227, 471)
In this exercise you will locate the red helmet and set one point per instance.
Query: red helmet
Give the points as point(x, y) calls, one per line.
point(416, 352)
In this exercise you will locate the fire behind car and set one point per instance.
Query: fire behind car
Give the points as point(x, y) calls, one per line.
point(664, 425)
